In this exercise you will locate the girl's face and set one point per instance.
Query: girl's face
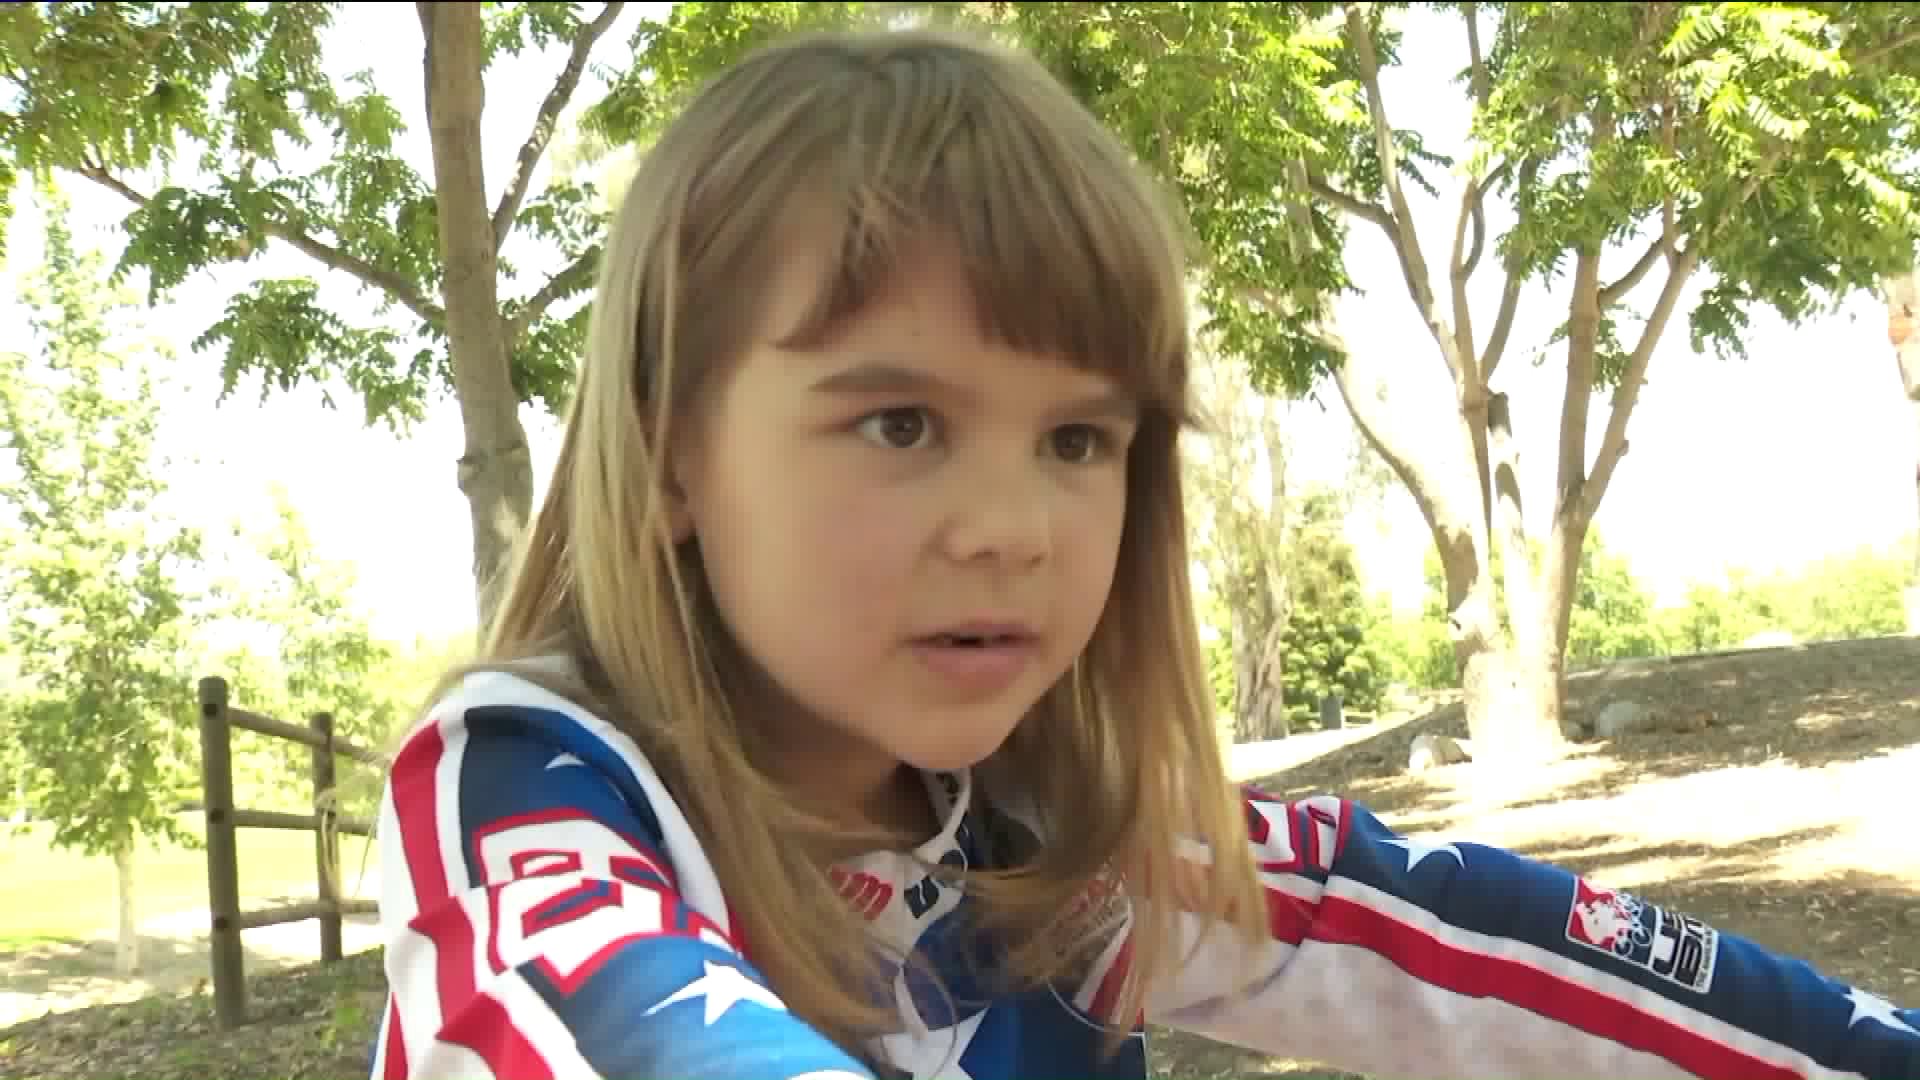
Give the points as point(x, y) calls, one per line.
point(911, 530)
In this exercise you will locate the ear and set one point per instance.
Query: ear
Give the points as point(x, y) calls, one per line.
point(679, 512)
point(678, 482)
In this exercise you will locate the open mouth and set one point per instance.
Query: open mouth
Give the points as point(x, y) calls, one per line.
point(974, 641)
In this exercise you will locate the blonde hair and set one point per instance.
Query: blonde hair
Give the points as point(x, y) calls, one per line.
point(1068, 247)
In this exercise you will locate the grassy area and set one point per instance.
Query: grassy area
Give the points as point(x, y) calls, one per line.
point(47, 893)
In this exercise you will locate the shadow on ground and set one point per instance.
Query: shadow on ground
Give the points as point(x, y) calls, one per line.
point(309, 1023)
point(1812, 705)
point(63, 966)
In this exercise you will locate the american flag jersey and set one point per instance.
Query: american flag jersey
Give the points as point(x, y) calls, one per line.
point(547, 912)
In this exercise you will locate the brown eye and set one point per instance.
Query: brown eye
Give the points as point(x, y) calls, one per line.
point(897, 429)
point(1077, 444)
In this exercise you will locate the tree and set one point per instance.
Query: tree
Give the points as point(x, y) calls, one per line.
point(95, 613)
point(113, 91)
point(308, 650)
point(1290, 612)
point(1762, 153)
point(1903, 309)
point(1243, 516)
point(1333, 641)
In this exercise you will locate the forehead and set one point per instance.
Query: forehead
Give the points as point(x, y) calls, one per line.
point(920, 330)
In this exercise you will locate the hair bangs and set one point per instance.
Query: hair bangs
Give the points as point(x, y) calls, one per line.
point(1064, 250)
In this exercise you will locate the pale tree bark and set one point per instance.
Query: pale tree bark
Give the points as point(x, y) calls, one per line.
point(1903, 310)
point(126, 953)
point(1264, 714)
point(1243, 489)
point(1260, 702)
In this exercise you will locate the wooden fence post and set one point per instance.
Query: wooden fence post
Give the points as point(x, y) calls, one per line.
point(326, 838)
point(223, 863)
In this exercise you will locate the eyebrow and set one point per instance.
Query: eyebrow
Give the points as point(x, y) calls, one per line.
point(877, 378)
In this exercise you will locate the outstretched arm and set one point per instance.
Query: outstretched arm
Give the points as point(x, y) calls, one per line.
point(536, 927)
point(1400, 957)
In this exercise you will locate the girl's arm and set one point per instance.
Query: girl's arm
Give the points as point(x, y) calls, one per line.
point(537, 928)
point(1407, 958)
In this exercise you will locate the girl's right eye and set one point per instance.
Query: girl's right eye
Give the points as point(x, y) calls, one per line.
point(897, 429)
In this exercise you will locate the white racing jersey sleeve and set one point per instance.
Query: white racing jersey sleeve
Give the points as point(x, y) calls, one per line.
point(1401, 957)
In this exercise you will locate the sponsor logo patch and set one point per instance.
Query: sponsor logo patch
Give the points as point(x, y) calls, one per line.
point(1678, 948)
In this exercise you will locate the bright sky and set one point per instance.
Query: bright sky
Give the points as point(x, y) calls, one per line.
point(1805, 450)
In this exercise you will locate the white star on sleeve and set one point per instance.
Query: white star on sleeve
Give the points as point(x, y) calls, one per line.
point(1878, 1009)
point(1417, 851)
point(723, 987)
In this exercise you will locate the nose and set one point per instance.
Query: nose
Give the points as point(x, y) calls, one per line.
point(1001, 515)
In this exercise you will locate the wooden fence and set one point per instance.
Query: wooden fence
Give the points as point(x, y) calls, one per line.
point(217, 721)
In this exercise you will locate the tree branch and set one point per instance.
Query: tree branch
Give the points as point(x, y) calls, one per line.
point(1372, 417)
point(1478, 79)
point(400, 289)
point(1472, 220)
point(1617, 291)
point(1496, 349)
point(1583, 335)
point(1613, 444)
point(574, 277)
point(1878, 53)
point(1370, 212)
point(1406, 240)
point(548, 118)
point(1680, 266)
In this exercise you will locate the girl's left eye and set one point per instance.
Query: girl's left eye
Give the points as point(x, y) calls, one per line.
point(1078, 444)
point(897, 429)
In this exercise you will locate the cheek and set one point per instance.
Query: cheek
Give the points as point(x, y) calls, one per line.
point(799, 553)
point(1090, 546)
point(864, 539)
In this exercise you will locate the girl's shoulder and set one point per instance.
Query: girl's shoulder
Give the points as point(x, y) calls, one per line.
point(507, 756)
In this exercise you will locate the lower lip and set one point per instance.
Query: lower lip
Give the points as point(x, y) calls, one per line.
point(977, 668)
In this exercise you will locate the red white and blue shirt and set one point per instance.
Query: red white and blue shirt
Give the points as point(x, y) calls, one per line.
point(549, 913)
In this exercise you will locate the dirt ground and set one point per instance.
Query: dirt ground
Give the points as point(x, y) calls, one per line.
point(1787, 820)
point(1781, 821)
point(60, 975)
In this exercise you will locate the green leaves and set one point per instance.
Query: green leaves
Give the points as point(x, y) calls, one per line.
point(119, 84)
point(256, 143)
point(89, 573)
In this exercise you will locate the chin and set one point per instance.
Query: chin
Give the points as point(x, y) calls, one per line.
point(953, 750)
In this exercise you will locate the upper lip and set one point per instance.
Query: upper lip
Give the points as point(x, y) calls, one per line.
point(985, 628)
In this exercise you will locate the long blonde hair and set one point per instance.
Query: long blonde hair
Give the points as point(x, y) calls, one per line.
point(1068, 247)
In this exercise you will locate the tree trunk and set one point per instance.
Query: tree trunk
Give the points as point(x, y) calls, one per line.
point(495, 471)
point(126, 954)
point(1511, 692)
point(1260, 707)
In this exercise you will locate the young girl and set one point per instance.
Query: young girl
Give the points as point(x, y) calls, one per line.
point(845, 717)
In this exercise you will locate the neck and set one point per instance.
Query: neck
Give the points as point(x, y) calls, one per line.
point(873, 796)
point(849, 782)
